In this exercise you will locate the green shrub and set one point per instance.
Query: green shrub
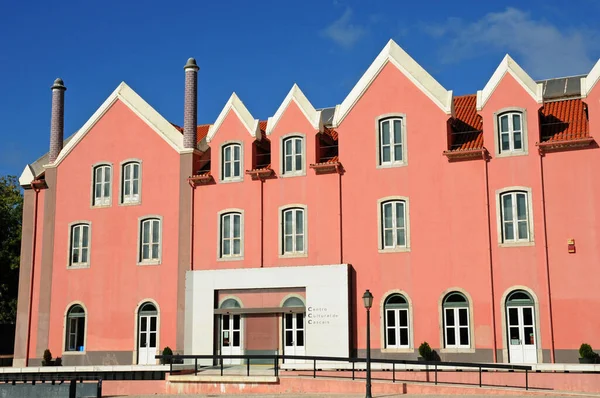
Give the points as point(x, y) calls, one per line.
point(425, 351)
point(47, 358)
point(585, 351)
point(166, 351)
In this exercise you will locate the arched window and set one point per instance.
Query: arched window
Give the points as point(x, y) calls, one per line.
point(150, 240)
point(397, 322)
point(79, 253)
point(75, 338)
point(293, 155)
point(231, 235)
point(514, 212)
point(391, 142)
point(230, 303)
point(293, 302)
point(130, 185)
point(510, 132)
point(456, 321)
point(102, 185)
point(521, 327)
point(231, 162)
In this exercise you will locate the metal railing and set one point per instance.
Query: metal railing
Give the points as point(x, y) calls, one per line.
point(54, 380)
point(428, 366)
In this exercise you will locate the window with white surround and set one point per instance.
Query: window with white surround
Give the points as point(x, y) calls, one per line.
point(75, 329)
point(130, 185)
point(391, 139)
point(231, 162)
point(150, 240)
point(514, 215)
point(393, 224)
point(102, 185)
point(231, 235)
point(293, 155)
point(79, 248)
point(510, 132)
point(397, 322)
point(457, 332)
point(293, 232)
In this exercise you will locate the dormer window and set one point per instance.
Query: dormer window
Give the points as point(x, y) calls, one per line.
point(391, 141)
point(511, 132)
point(293, 156)
point(231, 162)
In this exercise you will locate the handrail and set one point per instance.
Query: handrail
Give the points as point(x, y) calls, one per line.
point(275, 358)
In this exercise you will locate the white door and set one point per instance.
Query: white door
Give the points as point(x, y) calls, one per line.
point(147, 340)
point(231, 338)
point(293, 336)
point(521, 335)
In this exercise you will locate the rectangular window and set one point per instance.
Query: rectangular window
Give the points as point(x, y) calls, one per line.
point(391, 142)
point(102, 189)
point(131, 183)
point(393, 224)
point(510, 132)
point(232, 162)
point(515, 217)
point(456, 323)
point(150, 240)
point(79, 253)
point(293, 156)
point(397, 328)
point(231, 235)
point(293, 231)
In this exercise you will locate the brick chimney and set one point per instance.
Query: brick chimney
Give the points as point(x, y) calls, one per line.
point(190, 115)
point(57, 121)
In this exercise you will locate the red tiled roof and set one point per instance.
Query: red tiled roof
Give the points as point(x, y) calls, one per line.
point(467, 126)
point(564, 121)
point(202, 130)
point(331, 133)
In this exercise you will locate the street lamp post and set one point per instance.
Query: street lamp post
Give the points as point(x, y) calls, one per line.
point(368, 301)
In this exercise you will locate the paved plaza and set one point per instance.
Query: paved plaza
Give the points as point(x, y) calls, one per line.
point(354, 396)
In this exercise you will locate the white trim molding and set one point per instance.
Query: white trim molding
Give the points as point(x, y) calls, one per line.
point(140, 220)
point(510, 66)
point(220, 214)
point(394, 54)
point(296, 95)
point(524, 132)
point(235, 104)
point(397, 249)
point(442, 330)
point(295, 173)
point(141, 108)
point(530, 218)
point(588, 82)
point(382, 323)
point(239, 178)
point(70, 245)
point(27, 176)
point(281, 210)
point(136, 334)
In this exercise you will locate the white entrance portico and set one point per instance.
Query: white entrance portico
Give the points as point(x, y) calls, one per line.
point(323, 330)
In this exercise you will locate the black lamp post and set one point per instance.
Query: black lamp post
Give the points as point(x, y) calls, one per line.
point(368, 301)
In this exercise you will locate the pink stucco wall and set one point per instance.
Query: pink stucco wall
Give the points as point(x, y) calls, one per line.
point(114, 285)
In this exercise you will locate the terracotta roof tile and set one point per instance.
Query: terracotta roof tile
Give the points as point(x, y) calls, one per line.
point(467, 126)
point(331, 133)
point(564, 120)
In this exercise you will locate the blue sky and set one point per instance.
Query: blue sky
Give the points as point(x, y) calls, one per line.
point(259, 49)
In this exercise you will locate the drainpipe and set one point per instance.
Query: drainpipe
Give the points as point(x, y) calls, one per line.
point(550, 317)
point(192, 227)
point(339, 171)
point(489, 225)
point(35, 217)
point(262, 236)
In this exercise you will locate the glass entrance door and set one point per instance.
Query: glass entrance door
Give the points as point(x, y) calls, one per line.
point(147, 335)
point(231, 338)
point(293, 336)
point(521, 335)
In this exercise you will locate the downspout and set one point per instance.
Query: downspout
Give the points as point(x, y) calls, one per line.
point(489, 225)
point(35, 217)
point(192, 227)
point(339, 171)
point(550, 317)
point(262, 236)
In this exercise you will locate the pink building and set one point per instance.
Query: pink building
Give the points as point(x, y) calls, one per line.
point(473, 220)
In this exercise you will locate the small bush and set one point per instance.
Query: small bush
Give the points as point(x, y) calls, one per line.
point(58, 362)
point(425, 351)
point(166, 351)
point(585, 351)
point(47, 358)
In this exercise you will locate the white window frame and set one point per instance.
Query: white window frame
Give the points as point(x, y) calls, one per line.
point(497, 133)
point(530, 241)
point(79, 225)
point(67, 330)
point(397, 327)
point(379, 121)
point(457, 327)
point(220, 226)
point(457, 348)
point(231, 145)
point(382, 313)
point(131, 199)
point(294, 208)
point(293, 172)
point(381, 227)
point(102, 200)
point(141, 244)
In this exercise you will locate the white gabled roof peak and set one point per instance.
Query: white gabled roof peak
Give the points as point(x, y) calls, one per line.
point(510, 66)
point(296, 95)
point(393, 53)
point(589, 82)
point(234, 103)
point(26, 176)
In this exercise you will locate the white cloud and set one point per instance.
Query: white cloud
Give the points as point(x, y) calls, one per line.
point(343, 31)
point(542, 48)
